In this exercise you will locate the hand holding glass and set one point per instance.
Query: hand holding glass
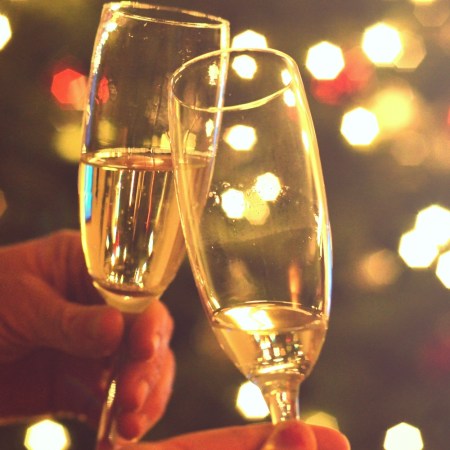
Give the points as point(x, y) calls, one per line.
point(254, 214)
point(130, 224)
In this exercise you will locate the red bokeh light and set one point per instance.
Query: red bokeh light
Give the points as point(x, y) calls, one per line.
point(69, 88)
point(355, 77)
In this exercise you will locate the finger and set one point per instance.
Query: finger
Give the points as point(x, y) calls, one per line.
point(328, 439)
point(247, 437)
point(151, 329)
point(44, 319)
point(292, 435)
point(153, 393)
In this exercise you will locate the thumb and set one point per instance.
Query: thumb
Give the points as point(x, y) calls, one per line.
point(39, 317)
point(291, 435)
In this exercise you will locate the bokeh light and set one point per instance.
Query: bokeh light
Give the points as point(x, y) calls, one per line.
point(245, 66)
point(432, 14)
point(250, 402)
point(403, 437)
point(69, 88)
point(233, 203)
point(240, 137)
point(382, 44)
point(47, 435)
point(395, 108)
point(359, 127)
point(249, 39)
point(67, 142)
point(5, 31)
point(443, 269)
point(417, 250)
point(322, 419)
point(268, 186)
point(325, 61)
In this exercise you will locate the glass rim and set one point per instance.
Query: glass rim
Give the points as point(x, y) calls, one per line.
point(209, 20)
point(228, 51)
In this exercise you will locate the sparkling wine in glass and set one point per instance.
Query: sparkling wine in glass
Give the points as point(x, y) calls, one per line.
point(254, 214)
point(130, 226)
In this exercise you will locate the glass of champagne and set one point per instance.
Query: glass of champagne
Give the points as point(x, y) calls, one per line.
point(129, 219)
point(254, 214)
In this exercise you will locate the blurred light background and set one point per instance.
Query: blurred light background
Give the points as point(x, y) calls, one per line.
point(377, 75)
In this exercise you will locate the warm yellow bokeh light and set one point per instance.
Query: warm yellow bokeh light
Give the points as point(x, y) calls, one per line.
point(268, 186)
point(325, 61)
point(233, 203)
point(403, 437)
point(395, 108)
point(443, 269)
point(380, 268)
point(249, 39)
point(413, 54)
point(67, 142)
point(382, 44)
point(47, 435)
point(434, 222)
point(245, 66)
point(240, 137)
point(416, 249)
point(256, 209)
point(323, 419)
point(250, 402)
point(432, 14)
point(359, 127)
point(5, 31)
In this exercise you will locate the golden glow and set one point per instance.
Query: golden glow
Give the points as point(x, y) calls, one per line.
point(414, 52)
point(268, 187)
point(433, 14)
point(256, 209)
point(240, 137)
point(323, 419)
point(403, 437)
point(5, 31)
point(107, 132)
point(382, 44)
point(416, 249)
point(250, 402)
point(233, 203)
point(67, 142)
point(360, 127)
point(245, 66)
point(395, 108)
point(249, 39)
point(443, 269)
point(47, 435)
point(248, 318)
point(325, 61)
point(380, 268)
point(422, 2)
point(434, 222)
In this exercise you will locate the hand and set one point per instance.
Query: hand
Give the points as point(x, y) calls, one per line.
point(57, 337)
point(292, 435)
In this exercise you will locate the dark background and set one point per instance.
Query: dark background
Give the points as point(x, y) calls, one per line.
point(387, 356)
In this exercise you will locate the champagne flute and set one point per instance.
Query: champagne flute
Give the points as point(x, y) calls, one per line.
point(254, 214)
point(130, 225)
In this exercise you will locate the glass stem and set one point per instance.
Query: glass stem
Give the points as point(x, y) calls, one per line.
point(107, 436)
point(282, 398)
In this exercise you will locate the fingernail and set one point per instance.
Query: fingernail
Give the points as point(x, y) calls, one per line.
point(289, 435)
